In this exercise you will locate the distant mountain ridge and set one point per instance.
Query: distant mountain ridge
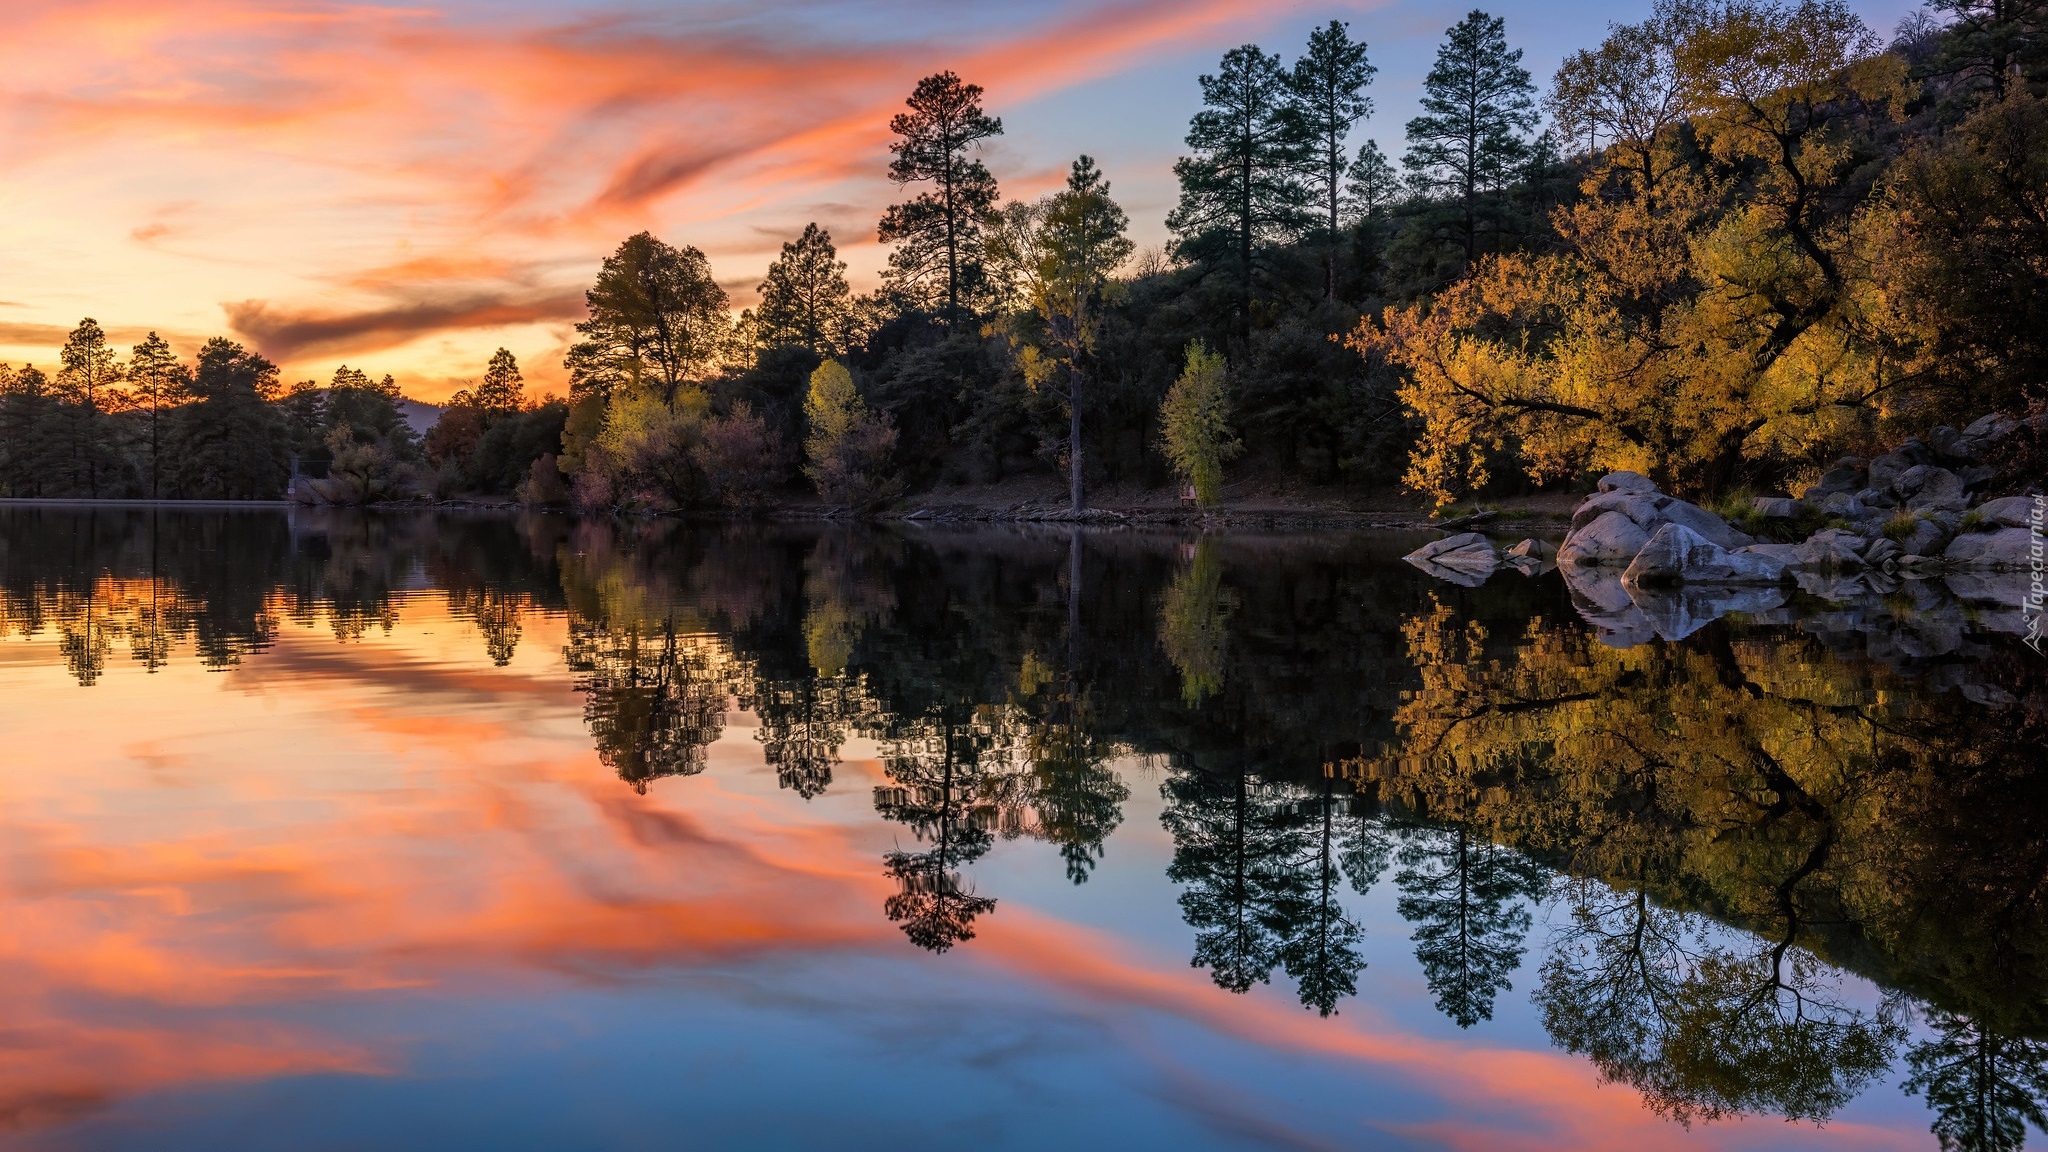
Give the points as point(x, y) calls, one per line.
point(419, 415)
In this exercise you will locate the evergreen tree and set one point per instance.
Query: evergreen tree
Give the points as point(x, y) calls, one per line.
point(937, 233)
point(84, 385)
point(804, 298)
point(304, 410)
point(1477, 105)
point(369, 410)
point(1372, 185)
point(1328, 87)
point(1242, 189)
point(1984, 1088)
point(159, 380)
point(26, 439)
point(940, 786)
point(502, 391)
point(1321, 949)
point(230, 444)
point(1234, 838)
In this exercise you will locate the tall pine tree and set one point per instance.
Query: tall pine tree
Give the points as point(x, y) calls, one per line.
point(1241, 189)
point(1328, 86)
point(804, 299)
point(1478, 103)
point(937, 233)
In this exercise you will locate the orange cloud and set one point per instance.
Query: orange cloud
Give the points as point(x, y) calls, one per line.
point(316, 151)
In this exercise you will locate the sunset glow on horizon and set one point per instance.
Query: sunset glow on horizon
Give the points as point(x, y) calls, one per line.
point(405, 188)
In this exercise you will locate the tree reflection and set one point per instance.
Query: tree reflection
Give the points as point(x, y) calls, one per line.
point(1321, 949)
point(949, 786)
point(1985, 1088)
point(803, 722)
point(652, 698)
point(1466, 898)
point(1194, 619)
point(1236, 840)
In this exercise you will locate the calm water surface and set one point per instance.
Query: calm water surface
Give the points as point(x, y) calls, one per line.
point(342, 831)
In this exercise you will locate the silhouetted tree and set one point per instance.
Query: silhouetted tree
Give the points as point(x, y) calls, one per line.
point(657, 320)
point(1241, 189)
point(937, 233)
point(159, 380)
point(804, 298)
point(1985, 1088)
point(1478, 102)
point(1328, 89)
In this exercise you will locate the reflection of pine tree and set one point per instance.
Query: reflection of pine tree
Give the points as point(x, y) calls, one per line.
point(1465, 898)
point(946, 789)
point(85, 642)
point(652, 699)
point(1984, 1088)
point(1321, 949)
point(1235, 843)
point(1076, 796)
point(803, 721)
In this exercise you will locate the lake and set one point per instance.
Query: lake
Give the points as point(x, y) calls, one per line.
point(343, 830)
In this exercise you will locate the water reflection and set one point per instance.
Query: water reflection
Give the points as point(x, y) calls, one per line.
point(1694, 855)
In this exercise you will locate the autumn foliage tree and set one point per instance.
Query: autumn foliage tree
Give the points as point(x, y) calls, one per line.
point(1705, 319)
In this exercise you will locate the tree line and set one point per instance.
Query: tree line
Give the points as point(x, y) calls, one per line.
point(1750, 237)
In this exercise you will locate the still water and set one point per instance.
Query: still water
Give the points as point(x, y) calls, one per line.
point(353, 831)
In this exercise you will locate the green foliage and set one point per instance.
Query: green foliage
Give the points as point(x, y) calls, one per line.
point(657, 320)
point(848, 448)
point(1194, 424)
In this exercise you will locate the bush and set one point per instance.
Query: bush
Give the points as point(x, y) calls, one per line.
point(742, 458)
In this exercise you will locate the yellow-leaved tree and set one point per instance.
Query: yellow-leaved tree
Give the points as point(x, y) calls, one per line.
point(1706, 318)
point(1194, 423)
point(848, 448)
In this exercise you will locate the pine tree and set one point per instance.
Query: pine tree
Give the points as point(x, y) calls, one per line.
point(1241, 189)
point(804, 298)
point(938, 233)
point(84, 383)
point(230, 444)
point(1478, 103)
point(501, 392)
point(1328, 89)
point(657, 319)
point(160, 381)
point(1373, 185)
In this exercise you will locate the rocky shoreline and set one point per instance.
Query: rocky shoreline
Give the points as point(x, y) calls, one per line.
point(1901, 538)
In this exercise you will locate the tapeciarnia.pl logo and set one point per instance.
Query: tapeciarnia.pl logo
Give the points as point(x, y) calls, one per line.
point(2031, 606)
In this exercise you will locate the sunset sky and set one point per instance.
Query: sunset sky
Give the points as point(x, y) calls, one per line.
point(407, 187)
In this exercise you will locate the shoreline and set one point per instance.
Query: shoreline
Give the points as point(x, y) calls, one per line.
point(1533, 517)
